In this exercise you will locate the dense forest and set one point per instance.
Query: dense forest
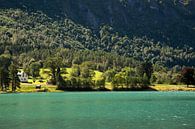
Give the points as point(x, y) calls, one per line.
point(129, 49)
point(171, 22)
point(23, 32)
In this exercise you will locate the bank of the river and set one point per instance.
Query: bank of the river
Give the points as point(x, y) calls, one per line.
point(31, 88)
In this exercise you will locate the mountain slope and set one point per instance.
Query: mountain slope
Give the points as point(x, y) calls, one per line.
point(23, 32)
point(169, 21)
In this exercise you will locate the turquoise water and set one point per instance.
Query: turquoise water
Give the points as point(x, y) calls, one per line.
point(122, 110)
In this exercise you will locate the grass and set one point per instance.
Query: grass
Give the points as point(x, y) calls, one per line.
point(29, 88)
point(167, 87)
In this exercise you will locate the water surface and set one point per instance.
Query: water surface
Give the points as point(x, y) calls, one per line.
point(121, 110)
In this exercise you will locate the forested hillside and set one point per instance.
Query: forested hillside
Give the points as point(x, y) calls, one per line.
point(170, 21)
point(23, 32)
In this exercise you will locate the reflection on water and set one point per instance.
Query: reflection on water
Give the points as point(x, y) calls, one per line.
point(125, 110)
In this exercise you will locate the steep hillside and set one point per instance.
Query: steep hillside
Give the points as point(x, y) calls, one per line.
point(24, 32)
point(169, 21)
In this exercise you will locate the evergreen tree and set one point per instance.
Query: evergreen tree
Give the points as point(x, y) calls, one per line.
point(145, 81)
point(1, 79)
point(5, 61)
point(15, 81)
point(145, 68)
point(61, 84)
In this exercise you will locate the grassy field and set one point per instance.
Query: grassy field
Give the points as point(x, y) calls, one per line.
point(166, 87)
point(28, 88)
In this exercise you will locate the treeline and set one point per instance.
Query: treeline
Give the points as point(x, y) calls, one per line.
point(81, 79)
point(23, 32)
point(126, 75)
point(100, 60)
point(137, 77)
point(8, 73)
point(82, 76)
point(131, 78)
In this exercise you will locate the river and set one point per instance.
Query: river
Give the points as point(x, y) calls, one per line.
point(98, 110)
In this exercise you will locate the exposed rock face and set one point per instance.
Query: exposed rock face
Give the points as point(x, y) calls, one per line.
point(165, 20)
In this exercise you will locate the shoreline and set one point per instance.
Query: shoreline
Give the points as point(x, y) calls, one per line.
point(31, 88)
point(150, 89)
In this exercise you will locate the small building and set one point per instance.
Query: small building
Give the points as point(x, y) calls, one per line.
point(23, 77)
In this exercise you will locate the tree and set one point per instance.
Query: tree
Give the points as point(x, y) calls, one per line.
point(2, 78)
point(100, 83)
point(187, 76)
point(5, 61)
point(133, 82)
point(76, 71)
point(61, 84)
point(153, 79)
point(53, 63)
point(109, 74)
point(145, 68)
point(27, 65)
point(86, 72)
point(34, 69)
point(6, 80)
point(15, 81)
point(86, 83)
point(118, 80)
point(74, 82)
point(145, 81)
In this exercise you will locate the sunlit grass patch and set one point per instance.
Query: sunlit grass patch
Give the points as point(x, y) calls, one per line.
point(167, 87)
point(26, 87)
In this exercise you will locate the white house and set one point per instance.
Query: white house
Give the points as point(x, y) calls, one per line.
point(23, 76)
